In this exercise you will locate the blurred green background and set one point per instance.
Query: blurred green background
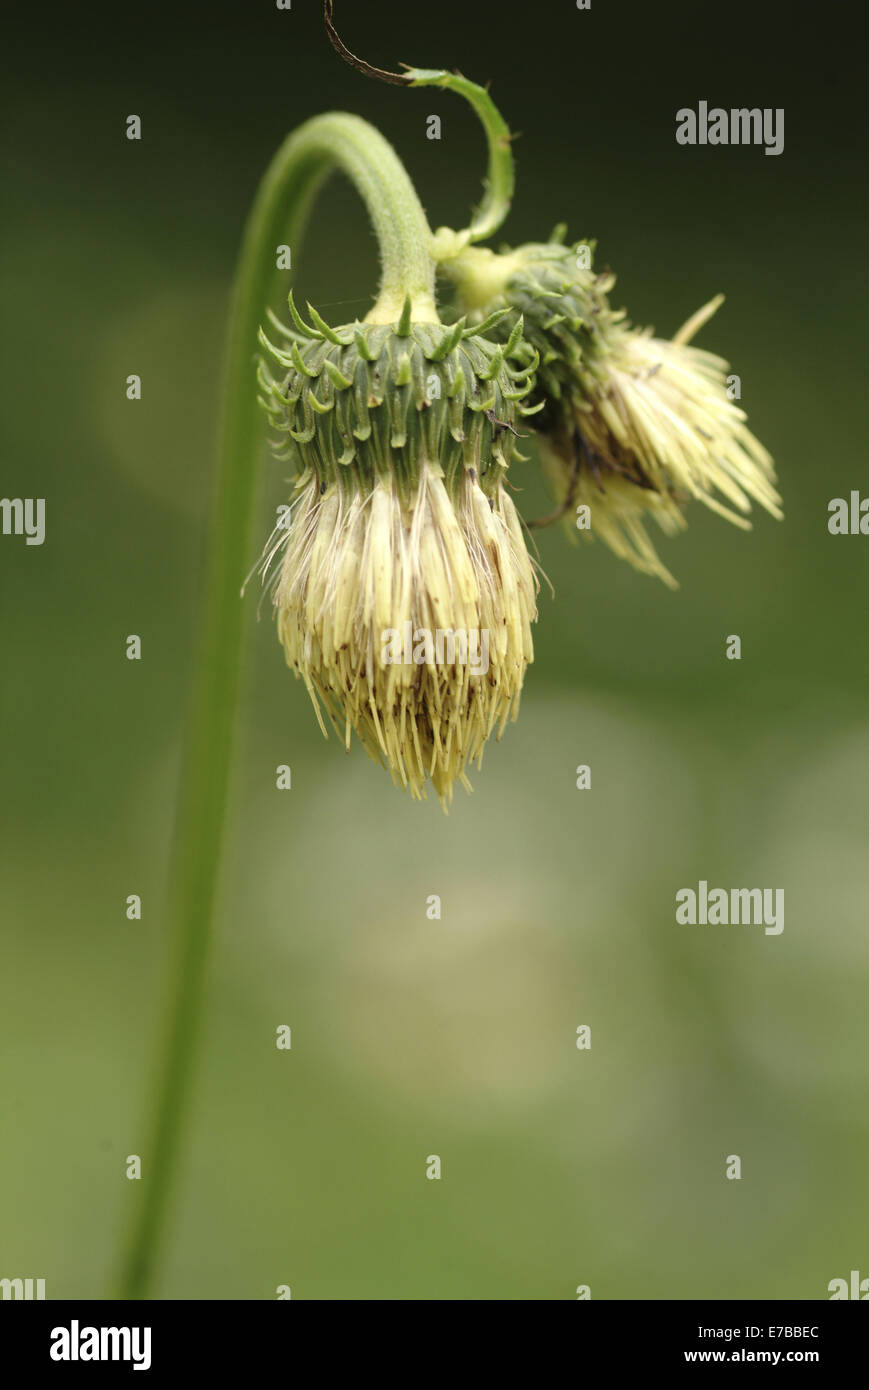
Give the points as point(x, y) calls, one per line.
point(455, 1037)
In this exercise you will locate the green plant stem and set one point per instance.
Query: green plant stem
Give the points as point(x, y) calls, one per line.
point(501, 177)
point(278, 217)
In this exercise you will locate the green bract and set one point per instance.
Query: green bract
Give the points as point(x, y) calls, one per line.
point(384, 397)
point(565, 309)
point(632, 427)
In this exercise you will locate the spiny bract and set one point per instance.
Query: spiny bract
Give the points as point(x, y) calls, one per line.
point(632, 426)
point(401, 436)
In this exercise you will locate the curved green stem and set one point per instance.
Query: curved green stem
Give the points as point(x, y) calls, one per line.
point(501, 177)
point(278, 216)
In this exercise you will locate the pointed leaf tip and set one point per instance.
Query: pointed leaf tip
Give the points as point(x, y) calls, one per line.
point(403, 328)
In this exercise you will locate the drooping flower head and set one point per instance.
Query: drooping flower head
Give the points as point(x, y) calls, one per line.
point(402, 585)
point(632, 426)
point(401, 580)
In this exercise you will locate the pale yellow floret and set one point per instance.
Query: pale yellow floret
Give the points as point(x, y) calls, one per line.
point(358, 561)
point(663, 406)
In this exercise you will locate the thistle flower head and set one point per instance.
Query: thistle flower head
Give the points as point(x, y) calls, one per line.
point(402, 585)
point(633, 426)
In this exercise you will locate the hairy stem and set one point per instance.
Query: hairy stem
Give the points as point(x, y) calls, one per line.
point(278, 216)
